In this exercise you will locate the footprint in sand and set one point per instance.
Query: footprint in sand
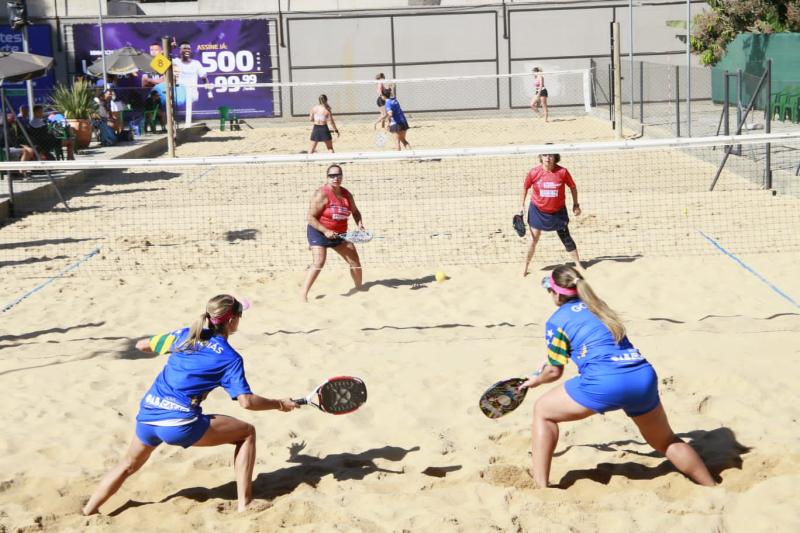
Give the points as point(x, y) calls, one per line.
point(508, 476)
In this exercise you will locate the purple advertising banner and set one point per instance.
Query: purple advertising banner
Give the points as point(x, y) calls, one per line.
point(228, 52)
point(38, 43)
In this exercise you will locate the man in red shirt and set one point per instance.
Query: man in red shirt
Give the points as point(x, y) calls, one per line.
point(547, 210)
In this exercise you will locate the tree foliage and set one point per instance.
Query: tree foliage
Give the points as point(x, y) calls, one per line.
point(718, 26)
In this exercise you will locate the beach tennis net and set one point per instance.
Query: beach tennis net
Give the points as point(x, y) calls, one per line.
point(427, 208)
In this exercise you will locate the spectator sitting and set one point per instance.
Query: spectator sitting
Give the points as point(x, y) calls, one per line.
point(115, 107)
point(24, 115)
point(16, 151)
point(153, 105)
point(43, 138)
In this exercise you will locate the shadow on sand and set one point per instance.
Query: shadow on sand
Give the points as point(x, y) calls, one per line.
point(719, 449)
point(309, 470)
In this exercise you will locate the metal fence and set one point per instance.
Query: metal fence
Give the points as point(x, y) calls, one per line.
point(654, 103)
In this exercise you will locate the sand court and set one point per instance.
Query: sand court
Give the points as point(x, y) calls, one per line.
point(419, 456)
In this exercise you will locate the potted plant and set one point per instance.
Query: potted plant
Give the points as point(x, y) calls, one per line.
point(77, 105)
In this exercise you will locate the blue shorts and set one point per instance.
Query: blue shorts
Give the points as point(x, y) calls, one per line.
point(634, 391)
point(316, 238)
point(547, 221)
point(175, 435)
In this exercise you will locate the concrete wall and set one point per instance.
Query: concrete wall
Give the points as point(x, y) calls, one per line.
point(420, 42)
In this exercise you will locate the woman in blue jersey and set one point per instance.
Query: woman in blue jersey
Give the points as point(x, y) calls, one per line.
point(613, 375)
point(397, 119)
point(201, 359)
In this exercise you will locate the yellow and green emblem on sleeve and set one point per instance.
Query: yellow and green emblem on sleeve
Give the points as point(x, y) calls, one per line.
point(558, 348)
point(162, 344)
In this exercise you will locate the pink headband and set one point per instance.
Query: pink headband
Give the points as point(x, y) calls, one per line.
point(560, 290)
point(238, 307)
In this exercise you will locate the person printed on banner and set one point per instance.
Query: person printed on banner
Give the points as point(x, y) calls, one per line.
point(539, 93)
point(398, 124)
point(381, 101)
point(328, 213)
point(613, 375)
point(151, 79)
point(200, 360)
point(188, 74)
point(547, 210)
point(320, 115)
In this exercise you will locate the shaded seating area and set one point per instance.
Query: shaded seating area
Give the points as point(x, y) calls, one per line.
point(234, 121)
point(786, 104)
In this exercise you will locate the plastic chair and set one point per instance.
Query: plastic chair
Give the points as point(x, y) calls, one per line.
point(224, 116)
point(792, 106)
point(779, 102)
point(150, 120)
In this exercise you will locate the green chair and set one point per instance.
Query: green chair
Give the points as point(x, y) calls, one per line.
point(150, 120)
point(779, 102)
point(224, 116)
point(792, 105)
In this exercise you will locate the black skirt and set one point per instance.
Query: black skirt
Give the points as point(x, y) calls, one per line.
point(321, 133)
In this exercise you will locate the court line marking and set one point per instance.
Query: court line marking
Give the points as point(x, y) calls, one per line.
point(742, 264)
point(48, 281)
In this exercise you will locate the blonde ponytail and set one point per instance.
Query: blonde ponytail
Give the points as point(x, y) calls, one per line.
point(217, 306)
point(567, 277)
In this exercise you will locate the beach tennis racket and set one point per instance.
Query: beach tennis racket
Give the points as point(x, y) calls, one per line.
point(359, 236)
point(502, 397)
point(338, 396)
point(519, 225)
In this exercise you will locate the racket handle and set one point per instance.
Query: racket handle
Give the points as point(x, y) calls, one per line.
point(301, 401)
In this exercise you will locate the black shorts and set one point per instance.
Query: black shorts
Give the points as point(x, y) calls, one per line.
point(543, 92)
point(380, 101)
point(321, 133)
point(398, 126)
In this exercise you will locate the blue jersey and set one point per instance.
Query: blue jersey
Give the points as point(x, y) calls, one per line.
point(393, 107)
point(574, 332)
point(189, 375)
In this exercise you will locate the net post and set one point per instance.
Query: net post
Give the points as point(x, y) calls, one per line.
point(610, 97)
point(617, 83)
point(166, 45)
point(738, 108)
point(7, 152)
point(677, 101)
point(641, 94)
point(726, 96)
point(768, 127)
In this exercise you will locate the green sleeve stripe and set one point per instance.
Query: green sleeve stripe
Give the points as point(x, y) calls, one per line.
point(161, 343)
point(556, 359)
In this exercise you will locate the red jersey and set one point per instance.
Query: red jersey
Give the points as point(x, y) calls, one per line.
point(337, 210)
point(548, 187)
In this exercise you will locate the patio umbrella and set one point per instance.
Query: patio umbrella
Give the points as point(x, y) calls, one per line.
point(126, 60)
point(20, 66)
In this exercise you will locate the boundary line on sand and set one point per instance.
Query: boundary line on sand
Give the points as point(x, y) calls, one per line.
point(48, 281)
point(742, 264)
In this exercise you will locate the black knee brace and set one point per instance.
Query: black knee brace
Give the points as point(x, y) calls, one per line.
point(566, 239)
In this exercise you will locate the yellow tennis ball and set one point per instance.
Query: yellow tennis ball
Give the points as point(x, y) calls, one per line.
point(440, 276)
